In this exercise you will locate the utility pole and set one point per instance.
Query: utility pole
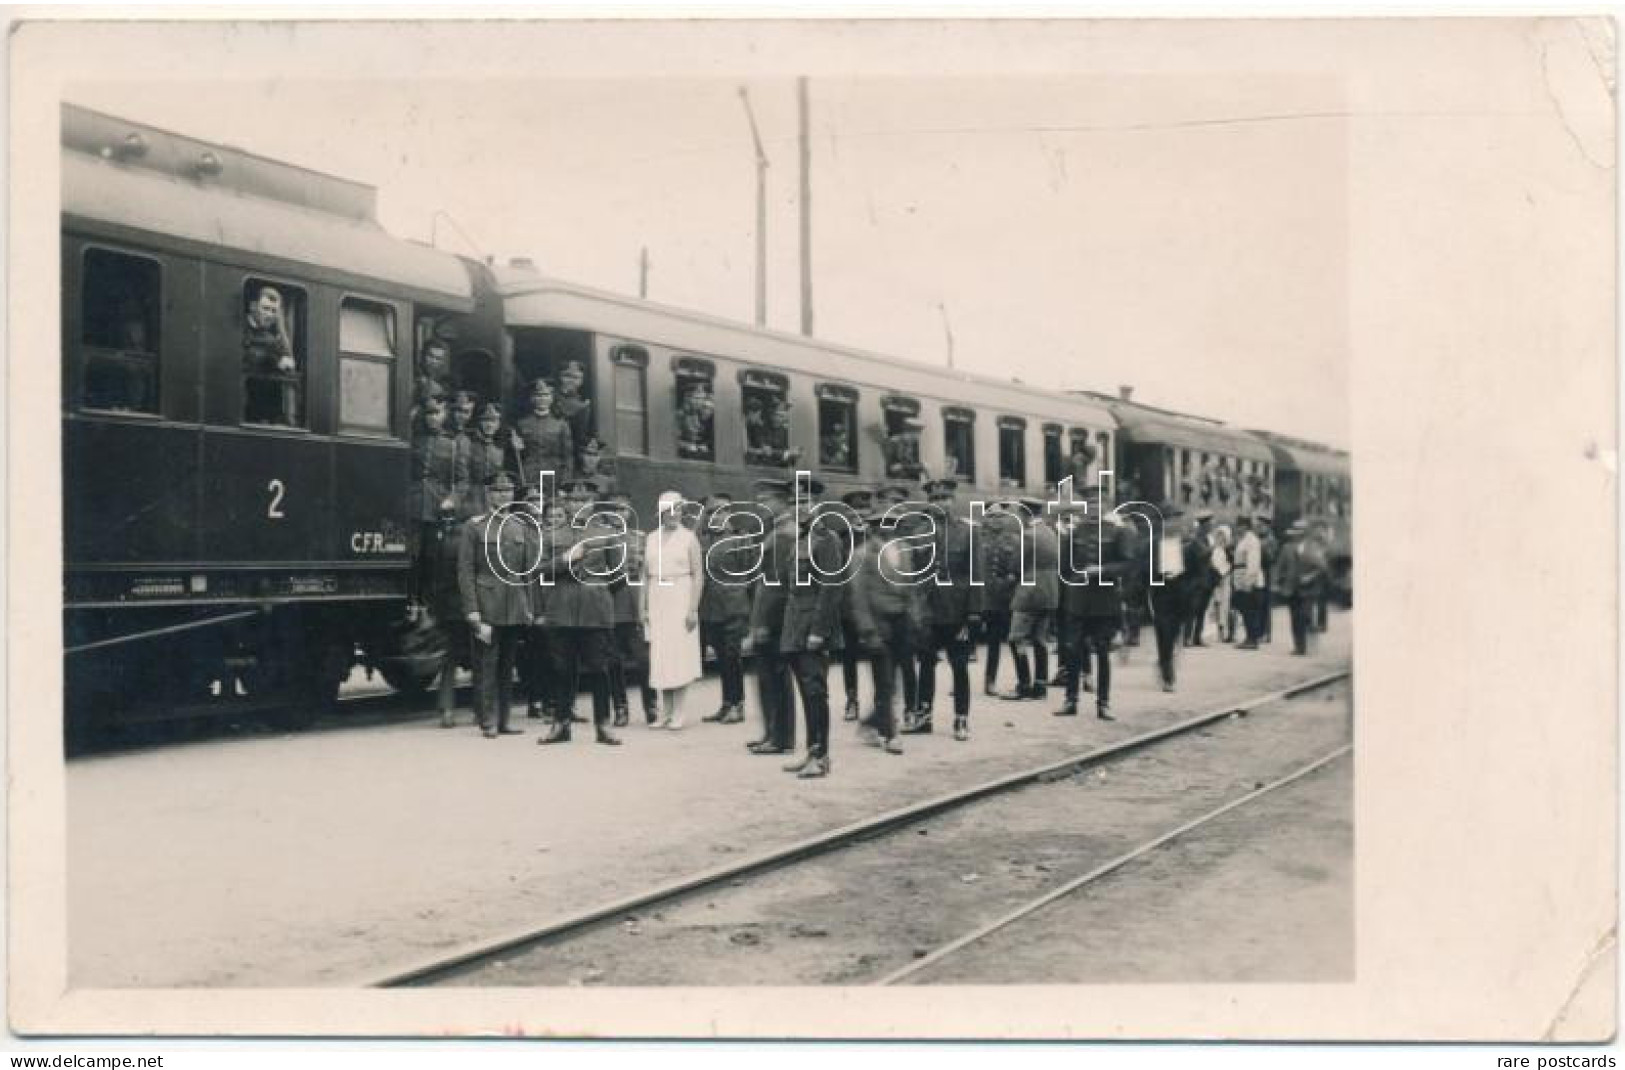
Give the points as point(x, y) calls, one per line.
point(761, 212)
point(806, 212)
point(643, 272)
point(947, 331)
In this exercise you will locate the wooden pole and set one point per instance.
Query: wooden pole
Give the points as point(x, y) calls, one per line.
point(806, 213)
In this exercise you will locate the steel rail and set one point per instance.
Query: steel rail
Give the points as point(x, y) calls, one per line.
point(1102, 870)
point(776, 858)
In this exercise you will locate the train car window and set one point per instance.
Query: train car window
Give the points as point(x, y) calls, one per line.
point(366, 365)
point(1052, 454)
point(901, 432)
point(959, 443)
point(1103, 449)
point(696, 400)
point(767, 419)
point(273, 353)
point(631, 365)
point(1012, 451)
point(121, 298)
point(838, 427)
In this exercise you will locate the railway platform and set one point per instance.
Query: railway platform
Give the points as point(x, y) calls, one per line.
point(331, 857)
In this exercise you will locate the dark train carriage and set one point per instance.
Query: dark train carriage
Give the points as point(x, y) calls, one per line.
point(1314, 484)
point(1192, 461)
point(237, 377)
point(691, 402)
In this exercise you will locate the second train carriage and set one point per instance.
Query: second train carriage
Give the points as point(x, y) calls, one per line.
point(687, 401)
point(238, 345)
point(1314, 485)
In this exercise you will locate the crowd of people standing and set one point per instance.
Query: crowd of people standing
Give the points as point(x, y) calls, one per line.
point(577, 599)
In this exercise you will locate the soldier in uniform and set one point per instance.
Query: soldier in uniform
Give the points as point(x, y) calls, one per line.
point(853, 632)
point(484, 457)
point(911, 596)
point(460, 425)
point(536, 660)
point(575, 409)
point(885, 604)
point(725, 601)
point(902, 450)
point(631, 650)
point(953, 607)
point(1032, 606)
point(441, 548)
point(541, 439)
point(581, 618)
point(1093, 563)
point(492, 562)
point(1299, 573)
point(791, 626)
point(432, 450)
point(1001, 543)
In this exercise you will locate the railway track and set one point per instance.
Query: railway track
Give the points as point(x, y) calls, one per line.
point(1008, 818)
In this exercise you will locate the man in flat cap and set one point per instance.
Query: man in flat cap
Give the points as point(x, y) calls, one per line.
point(1202, 580)
point(1094, 563)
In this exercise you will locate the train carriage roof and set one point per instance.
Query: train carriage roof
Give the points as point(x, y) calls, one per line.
point(125, 174)
point(1307, 457)
point(531, 299)
point(1148, 424)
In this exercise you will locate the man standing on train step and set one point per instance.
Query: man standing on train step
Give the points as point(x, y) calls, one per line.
point(494, 557)
point(953, 608)
point(485, 455)
point(541, 439)
point(725, 602)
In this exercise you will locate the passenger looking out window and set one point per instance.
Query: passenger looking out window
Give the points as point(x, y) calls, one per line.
point(271, 367)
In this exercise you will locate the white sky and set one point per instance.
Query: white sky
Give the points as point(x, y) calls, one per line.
point(1186, 235)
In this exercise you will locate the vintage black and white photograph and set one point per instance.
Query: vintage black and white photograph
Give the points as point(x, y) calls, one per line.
point(731, 526)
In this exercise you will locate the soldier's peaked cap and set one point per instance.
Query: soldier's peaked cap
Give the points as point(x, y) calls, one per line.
point(500, 481)
point(860, 500)
point(941, 486)
point(569, 486)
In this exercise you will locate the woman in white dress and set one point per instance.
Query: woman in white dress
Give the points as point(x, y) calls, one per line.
point(674, 578)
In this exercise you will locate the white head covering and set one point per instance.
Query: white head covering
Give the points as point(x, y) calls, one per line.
point(669, 500)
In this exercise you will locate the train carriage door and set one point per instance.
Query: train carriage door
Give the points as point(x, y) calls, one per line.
point(1012, 451)
point(564, 358)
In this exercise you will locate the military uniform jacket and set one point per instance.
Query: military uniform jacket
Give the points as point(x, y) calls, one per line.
point(790, 614)
point(484, 461)
point(549, 447)
point(1044, 595)
point(725, 599)
point(1002, 546)
point(1299, 570)
point(949, 597)
point(433, 474)
point(491, 559)
point(1094, 554)
point(876, 590)
point(579, 598)
point(627, 596)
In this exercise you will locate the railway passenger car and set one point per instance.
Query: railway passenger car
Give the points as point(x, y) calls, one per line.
point(1191, 461)
point(237, 355)
point(691, 402)
point(1313, 484)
